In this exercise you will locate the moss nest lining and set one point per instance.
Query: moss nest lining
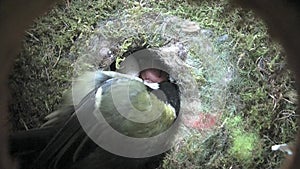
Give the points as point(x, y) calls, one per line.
point(236, 90)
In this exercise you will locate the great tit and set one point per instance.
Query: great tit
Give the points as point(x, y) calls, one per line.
point(130, 106)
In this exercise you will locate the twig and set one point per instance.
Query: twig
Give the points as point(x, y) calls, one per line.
point(31, 35)
point(24, 124)
point(58, 58)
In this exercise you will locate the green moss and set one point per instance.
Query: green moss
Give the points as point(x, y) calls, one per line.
point(258, 98)
point(44, 68)
point(234, 122)
point(245, 145)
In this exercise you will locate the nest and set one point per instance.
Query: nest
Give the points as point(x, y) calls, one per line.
point(129, 44)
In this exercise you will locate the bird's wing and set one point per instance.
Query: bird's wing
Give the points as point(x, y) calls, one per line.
point(69, 135)
point(71, 141)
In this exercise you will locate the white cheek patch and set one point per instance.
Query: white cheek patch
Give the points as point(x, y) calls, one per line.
point(98, 97)
point(154, 86)
point(173, 110)
point(120, 75)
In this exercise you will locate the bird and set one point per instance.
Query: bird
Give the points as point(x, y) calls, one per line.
point(128, 104)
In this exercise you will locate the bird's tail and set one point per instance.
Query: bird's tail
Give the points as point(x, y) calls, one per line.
point(26, 145)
